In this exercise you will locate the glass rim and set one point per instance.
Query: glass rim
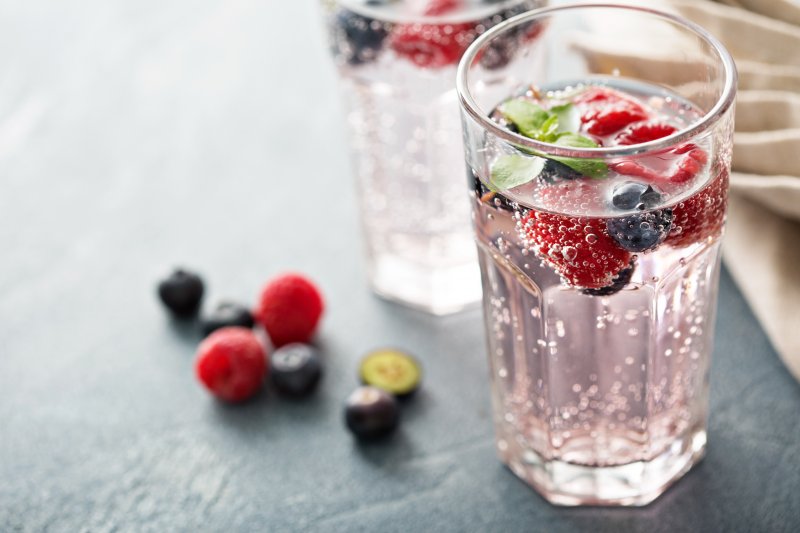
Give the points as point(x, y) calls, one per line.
point(722, 104)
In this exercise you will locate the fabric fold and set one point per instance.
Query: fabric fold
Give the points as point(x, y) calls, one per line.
point(762, 255)
point(762, 245)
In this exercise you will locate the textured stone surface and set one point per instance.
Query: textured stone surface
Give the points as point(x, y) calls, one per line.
point(138, 135)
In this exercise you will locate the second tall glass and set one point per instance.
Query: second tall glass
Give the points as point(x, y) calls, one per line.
point(397, 62)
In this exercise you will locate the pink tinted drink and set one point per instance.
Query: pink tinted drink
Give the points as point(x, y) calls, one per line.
point(599, 171)
point(600, 316)
point(397, 62)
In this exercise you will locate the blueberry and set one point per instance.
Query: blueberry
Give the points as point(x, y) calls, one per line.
point(181, 292)
point(640, 232)
point(371, 413)
point(617, 284)
point(227, 314)
point(500, 50)
point(358, 38)
point(635, 195)
point(295, 369)
point(554, 171)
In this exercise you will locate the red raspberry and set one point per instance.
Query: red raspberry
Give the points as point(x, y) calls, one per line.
point(441, 7)
point(596, 93)
point(690, 160)
point(289, 309)
point(690, 165)
point(432, 45)
point(702, 215)
point(578, 248)
point(231, 364)
point(629, 167)
point(613, 117)
point(605, 111)
point(644, 132)
point(532, 32)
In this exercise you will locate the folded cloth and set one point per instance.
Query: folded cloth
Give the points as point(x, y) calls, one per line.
point(762, 247)
point(762, 244)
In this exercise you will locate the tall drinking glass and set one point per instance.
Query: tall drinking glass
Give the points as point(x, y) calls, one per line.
point(599, 171)
point(397, 62)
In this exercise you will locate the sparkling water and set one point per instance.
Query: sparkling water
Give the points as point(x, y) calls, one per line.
point(602, 392)
point(397, 63)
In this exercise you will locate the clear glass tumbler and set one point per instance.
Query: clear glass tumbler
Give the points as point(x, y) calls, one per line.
point(598, 164)
point(397, 62)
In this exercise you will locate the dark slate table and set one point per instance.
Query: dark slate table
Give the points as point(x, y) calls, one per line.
point(139, 135)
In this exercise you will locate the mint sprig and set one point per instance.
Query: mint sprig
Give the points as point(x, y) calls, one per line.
point(594, 168)
point(510, 171)
point(526, 116)
point(557, 126)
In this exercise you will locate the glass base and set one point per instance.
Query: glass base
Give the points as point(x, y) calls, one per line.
point(632, 484)
point(437, 290)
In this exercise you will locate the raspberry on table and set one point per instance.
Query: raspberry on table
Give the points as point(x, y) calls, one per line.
point(231, 364)
point(289, 308)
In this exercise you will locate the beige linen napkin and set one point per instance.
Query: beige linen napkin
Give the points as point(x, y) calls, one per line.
point(762, 245)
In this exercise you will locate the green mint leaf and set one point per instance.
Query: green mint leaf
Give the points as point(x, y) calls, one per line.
point(526, 116)
point(569, 120)
point(549, 130)
point(510, 171)
point(555, 126)
point(575, 140)
point(595, 168)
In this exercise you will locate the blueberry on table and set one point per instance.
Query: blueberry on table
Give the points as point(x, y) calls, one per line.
point(371, 413)
point(391, 370)
point(181, 292)
point(227, 314)
point(296, 369)
point(617, 284)
point(635, 195)
point(358, 38)
point(641, 232)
